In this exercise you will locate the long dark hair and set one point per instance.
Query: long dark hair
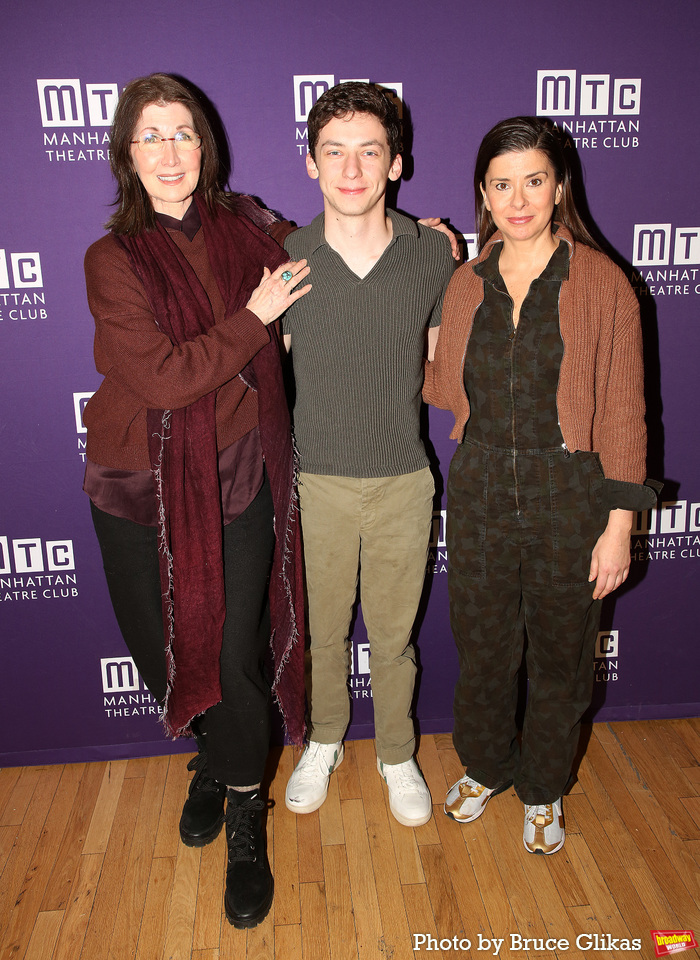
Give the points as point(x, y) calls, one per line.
point(135, 211)
point(527, 133)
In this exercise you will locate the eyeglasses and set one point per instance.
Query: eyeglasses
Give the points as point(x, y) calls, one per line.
point(184, 140)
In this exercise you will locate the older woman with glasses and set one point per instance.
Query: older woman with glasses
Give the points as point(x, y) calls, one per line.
point(189, 463)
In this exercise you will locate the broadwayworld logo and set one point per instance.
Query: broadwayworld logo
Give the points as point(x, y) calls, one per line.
point(672, 941)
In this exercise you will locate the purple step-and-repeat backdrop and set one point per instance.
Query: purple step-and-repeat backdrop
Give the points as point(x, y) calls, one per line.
point(620, 78)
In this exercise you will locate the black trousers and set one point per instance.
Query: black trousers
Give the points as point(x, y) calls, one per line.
point(236, 731)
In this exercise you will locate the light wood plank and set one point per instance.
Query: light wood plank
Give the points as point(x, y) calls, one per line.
point(340, 916)
point(448, 920)
point(8, 781)
point(309, 845)
point(287, 942)
point(285, 849)
point(347, 774)
point(103, 813)
point(156, 909)
point(183, 899)
point(174, 796)
point(314, 921)
point(44, 935)
point(26, 874)
point(83, 785)
point(127, 924)
point(210, 894)
point(419, 912)
point(363, 889)
point(79, 906)
point(116, 857)
point(396, 937)
point(330, 817)
point(20, 795)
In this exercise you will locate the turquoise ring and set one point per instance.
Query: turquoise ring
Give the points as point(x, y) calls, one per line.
point(287, 276)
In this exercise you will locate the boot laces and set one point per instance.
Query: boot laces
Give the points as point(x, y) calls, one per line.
point(241, 828)
point(200, 780)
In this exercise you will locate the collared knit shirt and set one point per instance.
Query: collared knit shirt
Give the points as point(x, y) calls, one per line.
point(357, 349)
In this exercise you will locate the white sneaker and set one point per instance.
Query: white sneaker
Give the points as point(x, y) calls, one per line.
point(466, 799)
point(308, 785)
point(543, 831)
point(409, 797)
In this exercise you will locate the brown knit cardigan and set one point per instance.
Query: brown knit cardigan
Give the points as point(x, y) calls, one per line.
point(600, 397)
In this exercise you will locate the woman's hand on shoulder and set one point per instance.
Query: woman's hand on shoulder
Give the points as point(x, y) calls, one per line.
point(435, 223)
point(610, 561)
point(277, 291)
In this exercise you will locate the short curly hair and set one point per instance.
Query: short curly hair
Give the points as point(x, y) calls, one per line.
point(345, 99)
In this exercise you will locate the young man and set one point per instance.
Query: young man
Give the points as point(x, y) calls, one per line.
point(365, 488)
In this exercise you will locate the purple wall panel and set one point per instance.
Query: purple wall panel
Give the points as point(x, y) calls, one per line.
point(68, 693)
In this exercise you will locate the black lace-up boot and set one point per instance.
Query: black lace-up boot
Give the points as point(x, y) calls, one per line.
point(249, 883)
point(203, 812)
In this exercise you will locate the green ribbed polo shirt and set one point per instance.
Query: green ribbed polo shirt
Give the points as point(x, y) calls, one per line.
point(357, 349)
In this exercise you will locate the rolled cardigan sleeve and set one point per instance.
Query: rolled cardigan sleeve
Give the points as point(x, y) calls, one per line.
point(130, 347)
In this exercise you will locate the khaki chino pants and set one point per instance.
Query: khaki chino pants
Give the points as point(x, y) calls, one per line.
point(374, 531)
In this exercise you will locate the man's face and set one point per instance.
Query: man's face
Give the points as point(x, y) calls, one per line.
point(353, 164)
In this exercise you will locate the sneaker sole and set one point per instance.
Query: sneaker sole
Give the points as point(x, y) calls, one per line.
point(545, 853)
point(448, 813)
point(410, 823)
point(310, 807)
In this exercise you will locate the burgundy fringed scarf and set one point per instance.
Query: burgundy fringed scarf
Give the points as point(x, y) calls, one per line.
point(182, 446)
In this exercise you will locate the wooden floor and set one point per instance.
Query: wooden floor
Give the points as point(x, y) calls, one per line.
point(91, 867)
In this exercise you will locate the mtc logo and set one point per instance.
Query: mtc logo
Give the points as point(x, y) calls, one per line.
point(29, 556)
point(25, 269)
point(607, 645)
point(656, 243)
point(309, 87)
point(470, 245)
point(307, 90)
point(79, 403)
point(599, 94)
point(672, 517)
point(437, 530)
point(359, 658)
point(119, 675)
point(61, 103)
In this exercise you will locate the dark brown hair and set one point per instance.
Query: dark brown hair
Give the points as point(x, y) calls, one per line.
point(519, 134)
point(135, 211)
point(355, 97)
